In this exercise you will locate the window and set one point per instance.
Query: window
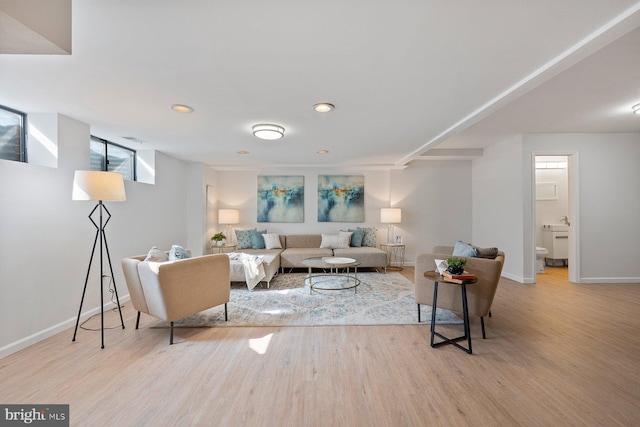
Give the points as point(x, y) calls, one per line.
point(12, 134)
point(107, 156)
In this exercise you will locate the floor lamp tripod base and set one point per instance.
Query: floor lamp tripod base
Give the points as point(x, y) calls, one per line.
point(102, 238)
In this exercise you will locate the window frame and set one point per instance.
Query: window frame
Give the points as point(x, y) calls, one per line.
point(108, 143)
point(23, 134)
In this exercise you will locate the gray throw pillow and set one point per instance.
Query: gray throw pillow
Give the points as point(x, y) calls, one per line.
point(489, 253)
point(156, 255)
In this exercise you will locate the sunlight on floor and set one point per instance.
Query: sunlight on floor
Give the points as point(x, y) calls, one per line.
point(260, 345)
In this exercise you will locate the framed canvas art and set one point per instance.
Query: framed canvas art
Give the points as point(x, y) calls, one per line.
point(280, 198)
point(340, 198)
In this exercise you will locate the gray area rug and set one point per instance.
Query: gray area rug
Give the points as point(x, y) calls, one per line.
point(381, 299)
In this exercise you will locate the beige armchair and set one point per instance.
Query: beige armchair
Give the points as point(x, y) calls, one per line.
point(479, 295)
point(176, 289)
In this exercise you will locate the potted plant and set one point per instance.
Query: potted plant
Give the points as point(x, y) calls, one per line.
point(456, 265)
point(218, 238)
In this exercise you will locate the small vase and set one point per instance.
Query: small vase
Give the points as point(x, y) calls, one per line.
point(219, 243)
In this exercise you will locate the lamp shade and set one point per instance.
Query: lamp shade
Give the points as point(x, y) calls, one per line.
point(390, 215)
point(228, 216)
point(98, 185)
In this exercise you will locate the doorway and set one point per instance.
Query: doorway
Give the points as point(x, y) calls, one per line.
point(555, 208)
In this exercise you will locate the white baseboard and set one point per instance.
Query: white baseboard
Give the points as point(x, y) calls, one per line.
point(32, 339)
point(609, 280)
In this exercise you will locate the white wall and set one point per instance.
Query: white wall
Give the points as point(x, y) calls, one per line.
point(46, 238)
point(608, 201)
point(435, 197)
point(497, 203)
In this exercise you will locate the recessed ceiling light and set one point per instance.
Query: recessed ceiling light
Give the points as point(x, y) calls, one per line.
point(181, 108)
point(323, 152)
point(243, 152)
point(636, 109)
point(267, 131)
point(323, 107)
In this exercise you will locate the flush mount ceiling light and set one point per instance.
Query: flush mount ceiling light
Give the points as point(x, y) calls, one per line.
point(243, 152)
point(323, 107)
point(323, 152)
point(181, 108)
point(267, 131)
point(636, 109)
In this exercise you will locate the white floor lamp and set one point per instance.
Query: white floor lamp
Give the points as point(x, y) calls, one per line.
point(100, 186)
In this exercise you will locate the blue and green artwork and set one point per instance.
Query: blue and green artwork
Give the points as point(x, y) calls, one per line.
point(340, 198)
point(280, 198)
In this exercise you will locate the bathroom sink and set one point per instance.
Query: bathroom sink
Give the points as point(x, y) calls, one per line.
point(555, 227)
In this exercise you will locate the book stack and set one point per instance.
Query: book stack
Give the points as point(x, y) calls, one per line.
point(457, 278)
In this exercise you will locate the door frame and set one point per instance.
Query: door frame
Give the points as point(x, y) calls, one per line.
point(574, 210)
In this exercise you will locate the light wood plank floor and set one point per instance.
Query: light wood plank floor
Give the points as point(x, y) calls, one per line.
point(556, 354)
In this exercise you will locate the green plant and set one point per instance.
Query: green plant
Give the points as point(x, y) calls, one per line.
point(456, 265)
point(456, 262)
point(219, 236)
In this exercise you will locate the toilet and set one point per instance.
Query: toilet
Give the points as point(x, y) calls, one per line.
point(541, 254)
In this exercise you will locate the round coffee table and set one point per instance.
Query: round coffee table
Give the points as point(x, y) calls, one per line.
point(340, 281)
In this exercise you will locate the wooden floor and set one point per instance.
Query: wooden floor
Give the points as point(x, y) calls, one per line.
point(556, 354)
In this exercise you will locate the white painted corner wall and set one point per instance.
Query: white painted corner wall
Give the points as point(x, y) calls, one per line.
point(46, 238)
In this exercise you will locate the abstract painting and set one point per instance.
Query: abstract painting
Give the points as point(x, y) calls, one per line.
point(340, 198)
point(280, 198)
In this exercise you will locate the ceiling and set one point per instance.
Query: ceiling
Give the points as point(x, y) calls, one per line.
point(405, 77)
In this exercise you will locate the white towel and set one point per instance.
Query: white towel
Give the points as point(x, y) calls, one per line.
point(253, 268)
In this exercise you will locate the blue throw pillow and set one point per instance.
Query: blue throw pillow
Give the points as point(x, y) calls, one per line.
point(244, 238)
point(356, 237)
point(178, 252)
point(257, 241)
point(464, 249)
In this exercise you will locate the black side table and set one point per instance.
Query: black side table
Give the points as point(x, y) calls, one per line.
point(465, 312)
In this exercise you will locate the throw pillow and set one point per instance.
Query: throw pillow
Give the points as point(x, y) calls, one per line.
point(464, 249)
point(244, 238)
point(257, 241)
point(356, 238)
point(335, 241)
point(156, 255)
point(272, 241)
point(347, 235)
point(370, 236)
point(178, 252)
point(489, 253)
